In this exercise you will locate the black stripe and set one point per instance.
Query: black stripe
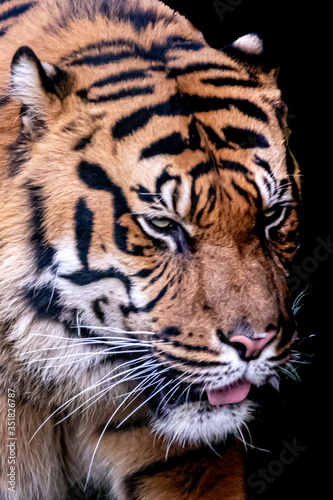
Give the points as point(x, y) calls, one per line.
point(188, 45)
point(144, 194)
point(211, 198)
point(263, 164)
point(84, 219)
point(43, 251)
point(201, 169)
point(143, 273)
point(164, 178)
point(224, 81)
point(96, 307)
point(101, 44)
point(122, 94)
point(184, 105)
point(125, 76)
point(140, 19)
point(216, 139)
point(95, 177)
point(234, 166)
point(173, 144)
point(241, 169)
point(156, 53)
point(45, 300)
point(16, 11)
point(82, 143)
point(86, 277)
point(185, 461)
point(131, 123)
point(245, 138)
point(3, 31)
point(194, 68)
point(150, 306)
point(241, 191)
point(103, 59)
point(193, 348)
point(194, 135)
point(126, 310)
point(160, 274)
point(191, 362)
point(283, 186)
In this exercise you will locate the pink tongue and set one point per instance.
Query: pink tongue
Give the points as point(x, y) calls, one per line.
point(233, 393)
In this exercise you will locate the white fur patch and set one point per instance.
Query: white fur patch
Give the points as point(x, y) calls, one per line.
point(250, 44)
point(26, 82)
point(191, 424)
point(66, 258)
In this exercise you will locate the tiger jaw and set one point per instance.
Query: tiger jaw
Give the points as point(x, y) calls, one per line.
point(195, 415)
point(206, 408)
point(199, 422)
point(191, 418)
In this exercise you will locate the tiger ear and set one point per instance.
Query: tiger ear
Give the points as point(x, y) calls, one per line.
point(251, 44)
point(39, 86)
point(250, 50)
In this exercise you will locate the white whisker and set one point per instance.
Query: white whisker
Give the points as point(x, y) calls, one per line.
point(103, 392)
point(86, 356)
point(113, 329)
point(146, 401)
point(104, 379)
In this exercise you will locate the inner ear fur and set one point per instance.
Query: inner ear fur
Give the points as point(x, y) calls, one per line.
point(250, 50)
point(39, 86)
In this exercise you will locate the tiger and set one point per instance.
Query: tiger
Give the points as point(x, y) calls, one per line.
point(150, 211)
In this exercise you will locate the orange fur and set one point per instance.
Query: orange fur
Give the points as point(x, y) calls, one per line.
point(79, 121)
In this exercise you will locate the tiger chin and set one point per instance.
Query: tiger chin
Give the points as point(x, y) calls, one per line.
point(149, 216)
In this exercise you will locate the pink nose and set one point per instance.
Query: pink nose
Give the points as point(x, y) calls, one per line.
point(251, 348)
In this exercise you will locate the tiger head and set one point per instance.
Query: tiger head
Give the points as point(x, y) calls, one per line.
point(150, 215)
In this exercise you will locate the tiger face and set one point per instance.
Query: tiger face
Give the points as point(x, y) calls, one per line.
point(159, 208)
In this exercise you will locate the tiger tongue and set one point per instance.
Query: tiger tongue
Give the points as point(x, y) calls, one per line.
point(233, 393)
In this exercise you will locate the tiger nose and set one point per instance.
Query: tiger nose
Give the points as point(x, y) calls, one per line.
point(250, 348)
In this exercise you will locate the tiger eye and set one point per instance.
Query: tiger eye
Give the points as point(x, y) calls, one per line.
point(270, 213)
point(162, 223)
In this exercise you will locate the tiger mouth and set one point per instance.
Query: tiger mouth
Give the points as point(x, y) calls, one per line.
point(210, 399)
point(174, 394)
point(183, 394)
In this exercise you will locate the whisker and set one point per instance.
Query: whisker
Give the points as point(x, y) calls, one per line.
point(90, 339)
point(85, 355)
point(146, 401)
point(101, 381)
point(293, 375)
point(100, 438)
point(179, 380)
point(158, 374)
point(211, 447)
point(102, 393)
point(115, 344)
point(113, 329)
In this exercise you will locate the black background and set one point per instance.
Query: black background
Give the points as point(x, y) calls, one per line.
point(300, 414)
